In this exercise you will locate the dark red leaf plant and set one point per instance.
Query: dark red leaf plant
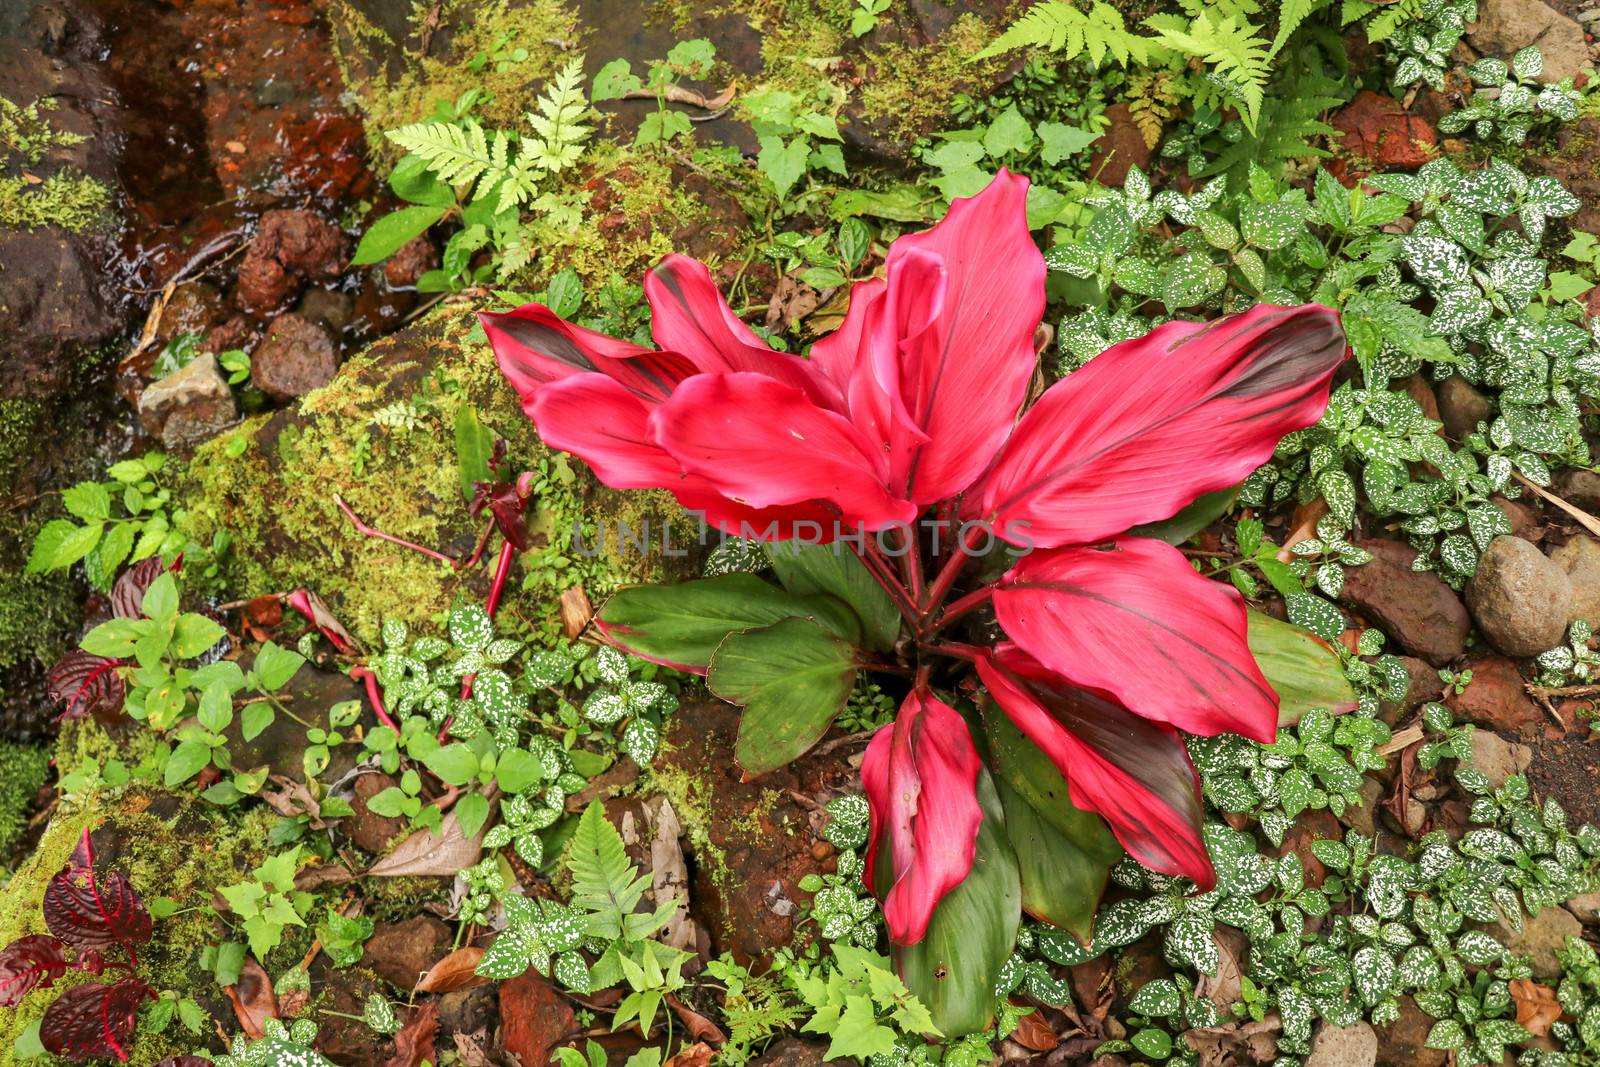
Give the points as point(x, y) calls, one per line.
point(92, 917)
point(923, 519)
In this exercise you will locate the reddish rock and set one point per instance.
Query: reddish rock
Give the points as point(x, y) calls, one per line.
point(295, 357)
point(535, 1017)
point(1416, 608)
point(1404, 1042)
point(1377, 128)
point(236, 332)
point(400, 953)
point(368, 830)
point(1120, 148)
point(1319, 825)
point(1462, 407)
point(1525, 520)
point(290, 247)
point(414, 259)
point(194, 308)
point(1495, 697)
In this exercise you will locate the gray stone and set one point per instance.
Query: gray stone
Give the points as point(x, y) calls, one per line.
point(1505, 26)
point(1344, 1046)
point(1519, 598)
point(1498, 758)
point(1541, 936)
point(1580, 558)
point(188, 405)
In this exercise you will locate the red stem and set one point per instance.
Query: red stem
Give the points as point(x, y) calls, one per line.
point(947, 577)
point(960, 608)
point(369, 531)
point(373, 695)
point(970, 653)
point(913, 565)
point(875, 567)
point(502, 569)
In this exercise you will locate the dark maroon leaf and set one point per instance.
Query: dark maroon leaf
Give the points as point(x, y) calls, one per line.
point(83, 854)
point(35, 960)
point(94, 1020)
point(128, 594)
point(86, 684)
point(505, 504)
point(94, 912)
point(185, 1061)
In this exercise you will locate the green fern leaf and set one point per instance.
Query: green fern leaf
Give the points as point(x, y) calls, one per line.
point(604, 883)
point(557, 121)
point(1233, 51)
point(1061, 26)
point(1291, 13)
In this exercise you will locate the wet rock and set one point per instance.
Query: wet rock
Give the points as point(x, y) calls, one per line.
point(1377, 128)
point(1540, 938)
point(1505, 26)
point(57, 311)
point(1416, 608)
point(1580, 488)
point(1121, 148)
point(536, 1019)
point(794, 1052)
point(188, 405)
point(349, 1040)
point(466, 1011)
point(413, 259)
point(1405, 1041)
point(1495, 698)
point(194, 308)
point(1519, 598)
point(1580, 559)
point(1498, 758)
point(291, 246)
point(328, 307)
point(238, 331)
point(1461, 406)
point(1344, 1046)
point(1316, 825)
point(368, 830)
point(400, 953)
point(295, 357)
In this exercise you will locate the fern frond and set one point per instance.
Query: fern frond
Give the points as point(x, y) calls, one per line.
point(1152, 100)
point(1291, 13)
point(1061, 26)
point(558, 120)
point(604, 883)
point(1233, 51)
point(1290, 125)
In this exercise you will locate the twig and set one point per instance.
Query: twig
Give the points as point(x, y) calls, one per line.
point(1586, 520)
point(844, 742)
point(1402, 740)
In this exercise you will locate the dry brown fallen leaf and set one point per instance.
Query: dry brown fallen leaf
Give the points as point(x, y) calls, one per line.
point(1034, 1033)
point(414, 1043)
point(576, 611)
point(424, 853)
point(1303, 526)
point(700, 1028)
point(253, 1000)
point(457, 970)
point(1536, 1006)
point(697, 1055)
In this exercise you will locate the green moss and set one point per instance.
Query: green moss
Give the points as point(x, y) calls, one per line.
point(689, 797)
point(73, 201)
point(271, 483)
point(36, 610)
point(909, 87)
point(396, 92)
point(23, 769)
point(168, 845)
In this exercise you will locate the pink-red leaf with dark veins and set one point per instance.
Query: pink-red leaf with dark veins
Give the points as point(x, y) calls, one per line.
point(1150, 424)
point(534, 347)
point(95, 911)
point(84, 684)
point(1136, 773)
point(1133, 618)
point(920, 774)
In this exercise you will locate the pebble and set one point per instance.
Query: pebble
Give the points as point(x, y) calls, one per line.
point(1519, 598)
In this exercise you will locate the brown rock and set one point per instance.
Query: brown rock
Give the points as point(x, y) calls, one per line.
point(188, 405)
point(296, 357)
point(1423, 685)
point(413, 259)
point(1376, 127)
point(1317, 825)
point(1120, 148)
point(1343, 1046)
point(1498, 758)
point(368, 830)
point(536, 1018)
point(1540, 938)
point(1586, 906)
point(1405, 1041)
point(194, 307)
point(1495, 697)
point(1525, 521)
point(400, 953)
point(794, 1052)
point(328, 307)
point(290, 247)
point(1359, 817)
point(1461, 406)
point(1416, 608)
point(1519, 598)
point(466, 1011)
point(1580, 488)
point(1506, 26)
point(1580, 559)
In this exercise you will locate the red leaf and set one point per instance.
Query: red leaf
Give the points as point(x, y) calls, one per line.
point(534, 347)
point(82, 857)
point(1133, 618)
point(185, 1061)
point(1136, 773)
point(90, 911)
point(921, 777)
point(414, 1043)
point(1149, 424)
point(86, 684)
point(94, 1020)
point(311, 606)
point(35, 960)
point(127, 596)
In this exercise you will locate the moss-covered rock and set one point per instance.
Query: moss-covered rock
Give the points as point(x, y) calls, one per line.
point(23, 769)
point(381, 436)
point(169, 845)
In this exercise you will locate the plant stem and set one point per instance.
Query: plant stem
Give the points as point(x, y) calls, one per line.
point(370, 531)
point(970, 653)
point(960, 608)
point(912, 562)
point(874, 565)
point(374, 696)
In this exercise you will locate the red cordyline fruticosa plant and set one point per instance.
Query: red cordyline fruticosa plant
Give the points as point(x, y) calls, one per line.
point(899, 490)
